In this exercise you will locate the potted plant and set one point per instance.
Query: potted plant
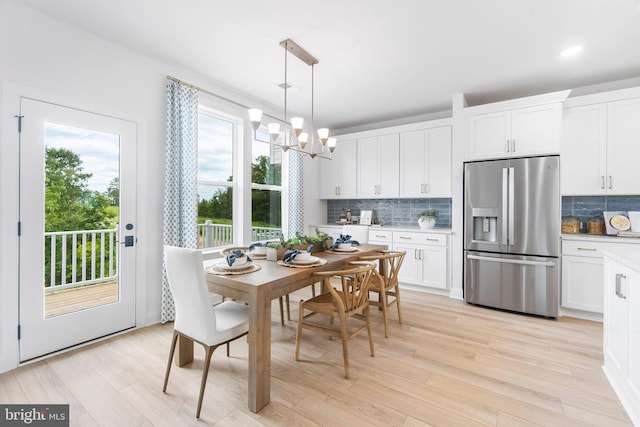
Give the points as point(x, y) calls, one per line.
point(276, 249)
point(427, 219)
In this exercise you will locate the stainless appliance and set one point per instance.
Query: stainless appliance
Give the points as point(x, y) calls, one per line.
point(512, 234)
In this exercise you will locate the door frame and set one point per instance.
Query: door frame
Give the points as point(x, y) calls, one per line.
point(10, 94)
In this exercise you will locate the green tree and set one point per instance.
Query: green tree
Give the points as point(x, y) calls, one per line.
point(113, 192)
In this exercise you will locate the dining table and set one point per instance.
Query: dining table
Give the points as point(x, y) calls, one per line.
point(258, 288)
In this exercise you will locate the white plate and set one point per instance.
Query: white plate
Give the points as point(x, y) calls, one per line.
point(234, 267)
point(310, 260)
point(620, 222)
point(351, 249)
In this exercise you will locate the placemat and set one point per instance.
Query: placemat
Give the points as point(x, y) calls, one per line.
point(321, 261)
point(216, 269)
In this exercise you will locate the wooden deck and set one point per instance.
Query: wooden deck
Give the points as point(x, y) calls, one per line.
point(82, 298)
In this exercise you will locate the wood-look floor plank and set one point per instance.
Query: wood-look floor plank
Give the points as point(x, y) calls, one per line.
point(448, 364)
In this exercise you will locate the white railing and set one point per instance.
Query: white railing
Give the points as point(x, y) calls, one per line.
point(212, 235)
point(80, 258)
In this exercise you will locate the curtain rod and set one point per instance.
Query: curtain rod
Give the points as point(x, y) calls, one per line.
point(216, 95)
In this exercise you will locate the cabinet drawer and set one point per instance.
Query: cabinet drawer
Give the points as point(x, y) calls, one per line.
point(594, 249)
point(380, 236)
point(420, 238)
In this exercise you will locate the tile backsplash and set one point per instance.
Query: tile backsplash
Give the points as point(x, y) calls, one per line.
point(393, 212)
point(585, 207)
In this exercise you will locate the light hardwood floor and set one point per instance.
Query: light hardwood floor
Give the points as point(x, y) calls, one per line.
point(449, 364)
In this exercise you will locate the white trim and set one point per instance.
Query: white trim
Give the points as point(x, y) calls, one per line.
point(597, 98)
point(397, 129)
point(529, 101)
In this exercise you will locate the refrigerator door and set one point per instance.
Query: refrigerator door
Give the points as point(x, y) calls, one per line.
point(485, 215)
point(534, 206)
point(524, 284)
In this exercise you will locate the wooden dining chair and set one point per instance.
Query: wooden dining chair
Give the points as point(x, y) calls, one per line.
point(195, 318)
point(384, 282)
point(346, 297)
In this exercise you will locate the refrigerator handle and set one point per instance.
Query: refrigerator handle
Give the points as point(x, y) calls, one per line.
point(511, 261)
point(504, 219)
point(511, 237)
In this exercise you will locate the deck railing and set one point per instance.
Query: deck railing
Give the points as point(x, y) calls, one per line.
point(212, 235)
point(80, 258)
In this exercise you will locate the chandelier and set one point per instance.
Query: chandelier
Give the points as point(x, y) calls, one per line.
point(293, 136)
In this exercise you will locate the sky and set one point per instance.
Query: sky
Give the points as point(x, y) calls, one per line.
point(99, 151)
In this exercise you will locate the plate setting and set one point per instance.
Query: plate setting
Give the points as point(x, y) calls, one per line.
point(294, 264)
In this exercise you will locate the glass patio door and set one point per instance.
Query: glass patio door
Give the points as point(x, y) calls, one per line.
point(77, 227)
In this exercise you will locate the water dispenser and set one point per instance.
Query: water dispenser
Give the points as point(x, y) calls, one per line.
point(485, 224)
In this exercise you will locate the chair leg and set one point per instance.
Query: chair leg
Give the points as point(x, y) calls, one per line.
point(281, 311)
point(397, 296)
point(227, 349)
point(205, 374)
point(384, 301)
point(299, 331)
point(286, 297)
point(369, 330)
point(345, 348)
point(174, 341)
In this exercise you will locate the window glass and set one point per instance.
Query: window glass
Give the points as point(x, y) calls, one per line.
point(266, 191)
point(215, 180)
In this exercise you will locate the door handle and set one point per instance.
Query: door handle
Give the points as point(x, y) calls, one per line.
point(505, 183)
point(511, 261)
point(512, 180)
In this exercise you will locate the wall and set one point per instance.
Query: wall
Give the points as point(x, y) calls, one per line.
point(393, 212)
point(50, 60)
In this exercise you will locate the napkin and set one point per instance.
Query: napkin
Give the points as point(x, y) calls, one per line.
point(344, 238)
point(290, 255)
point(257, 245)
point(237, 253)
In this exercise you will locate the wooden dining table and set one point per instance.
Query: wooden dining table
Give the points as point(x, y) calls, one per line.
point(258, 289)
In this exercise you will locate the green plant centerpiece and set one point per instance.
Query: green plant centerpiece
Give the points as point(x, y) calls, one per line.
point(427, 219)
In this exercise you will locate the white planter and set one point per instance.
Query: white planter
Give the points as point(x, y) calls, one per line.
point(426, 222)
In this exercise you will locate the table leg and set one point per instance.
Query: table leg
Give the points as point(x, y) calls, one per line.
point(185, 351)
point(259, 349)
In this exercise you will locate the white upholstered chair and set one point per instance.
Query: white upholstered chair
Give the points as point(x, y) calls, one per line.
point(208, 325)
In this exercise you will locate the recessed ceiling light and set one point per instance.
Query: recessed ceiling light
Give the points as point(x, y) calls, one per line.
point(573, 50)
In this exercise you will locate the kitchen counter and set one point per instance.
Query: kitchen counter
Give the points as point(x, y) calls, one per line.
point(626, 258)
point(390, 228)
point(583, 237)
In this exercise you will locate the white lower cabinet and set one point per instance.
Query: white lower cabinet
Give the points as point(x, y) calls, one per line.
point(426, 263)
point(582, 272)
point(622, 333)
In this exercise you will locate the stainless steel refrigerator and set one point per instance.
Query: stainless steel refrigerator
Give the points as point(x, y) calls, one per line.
point(512, 234)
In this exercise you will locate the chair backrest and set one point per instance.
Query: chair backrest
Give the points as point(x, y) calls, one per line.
point(389, 263)
point(352, 295)
point(185, 273)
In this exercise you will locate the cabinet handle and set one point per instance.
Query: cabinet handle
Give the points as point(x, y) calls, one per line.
point(610, 182)
point(377, 235)
point(619, 293)
point(422, 188)
point(602, 181)
point(426, 188)
point(432, 240)
point(508, 145)
point(406, 238)
point(513, 145)
point(588, 249)
point(415, 254)
point(419, 253)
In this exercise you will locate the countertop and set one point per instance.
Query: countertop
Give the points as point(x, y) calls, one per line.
point(630, 259)
point(389, 228)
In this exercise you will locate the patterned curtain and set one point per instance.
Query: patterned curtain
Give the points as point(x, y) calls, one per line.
point(296, 194)
point(181, 168)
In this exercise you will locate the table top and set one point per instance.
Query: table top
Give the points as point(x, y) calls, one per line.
point(281, 279)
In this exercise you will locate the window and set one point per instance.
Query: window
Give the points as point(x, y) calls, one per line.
point(216, 135)
point(266, 190)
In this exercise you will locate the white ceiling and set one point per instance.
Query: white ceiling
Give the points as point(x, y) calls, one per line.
point(378, 59)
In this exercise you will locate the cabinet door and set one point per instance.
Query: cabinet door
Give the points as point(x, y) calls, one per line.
point(338, 176)
point(616, 318)
point(434, 266)
point(411, 269)
point(623, 147)
point(582, 287)
point(584, 150)
point(388, 165)
point(489, 136)
point(367, 167)
point(536, 130)
point(439, 162)
point(633, 296)
point(413, 163)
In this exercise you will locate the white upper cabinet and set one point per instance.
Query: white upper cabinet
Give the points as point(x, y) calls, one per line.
point(338, 176)
point(514, 133)
point(600, 148)
point(377, 166)
point(425, 163)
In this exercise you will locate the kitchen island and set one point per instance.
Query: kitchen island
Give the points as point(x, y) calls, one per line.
point(622, 327)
